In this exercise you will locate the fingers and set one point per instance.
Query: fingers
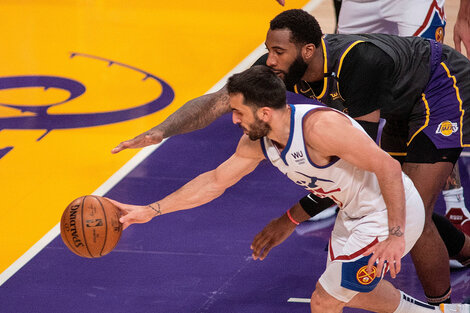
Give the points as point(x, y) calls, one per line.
point(140, 141)
point(118, 205)
point(261, 251)
point(394, 264)
point(259, 243)
point(125, 225)
point(266, 250)
point(125, 221)
point(395, 267)
point(118, 148)
point(371, 264)
point(457, 42)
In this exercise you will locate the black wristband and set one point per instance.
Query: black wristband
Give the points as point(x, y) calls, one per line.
point(313, 205)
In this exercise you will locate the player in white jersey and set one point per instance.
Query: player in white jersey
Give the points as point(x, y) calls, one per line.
point(424, 18)
point(381, 214)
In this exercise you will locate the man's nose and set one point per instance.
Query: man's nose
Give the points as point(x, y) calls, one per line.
point(236, 119)
point(271, 61)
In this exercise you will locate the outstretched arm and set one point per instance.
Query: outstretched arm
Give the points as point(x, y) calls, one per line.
point(201, 189)
point(462, 27)
point(343, 139)
point(194, 114)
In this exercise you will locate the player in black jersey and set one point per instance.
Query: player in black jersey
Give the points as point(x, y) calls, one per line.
point(421, 87)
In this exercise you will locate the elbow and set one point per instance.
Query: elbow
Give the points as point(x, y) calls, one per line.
point(394, 167)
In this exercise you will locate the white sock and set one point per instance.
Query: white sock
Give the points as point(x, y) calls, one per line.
point(409, 304)
point(454, 199)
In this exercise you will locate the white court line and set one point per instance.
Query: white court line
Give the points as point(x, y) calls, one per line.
point(55, 231)
point(299, 300)
point(132, 163)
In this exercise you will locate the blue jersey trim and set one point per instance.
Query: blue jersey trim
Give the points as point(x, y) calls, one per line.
point(263, 147)
point(334, 159)
point(291, 134)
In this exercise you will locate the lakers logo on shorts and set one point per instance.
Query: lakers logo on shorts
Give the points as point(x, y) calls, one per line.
point(365, 278)
point(439, 35)
point(447, 128)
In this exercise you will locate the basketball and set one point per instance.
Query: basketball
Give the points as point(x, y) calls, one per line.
point(90, 226)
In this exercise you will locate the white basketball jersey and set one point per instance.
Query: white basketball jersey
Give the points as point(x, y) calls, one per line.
point(356, 191)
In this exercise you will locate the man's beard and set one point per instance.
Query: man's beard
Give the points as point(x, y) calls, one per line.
point(295, 72)
point(258, 129)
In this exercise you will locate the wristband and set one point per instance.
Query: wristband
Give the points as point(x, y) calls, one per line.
point(291, 218)
point(313, 205)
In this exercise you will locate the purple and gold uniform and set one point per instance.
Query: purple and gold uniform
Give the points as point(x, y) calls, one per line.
point(421, 87)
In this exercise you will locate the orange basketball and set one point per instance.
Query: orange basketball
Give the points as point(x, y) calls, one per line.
point(90, 226)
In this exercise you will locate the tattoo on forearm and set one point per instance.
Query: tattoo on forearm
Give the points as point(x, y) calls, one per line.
point(196, 114)
point(396, 231)
point(157, 210)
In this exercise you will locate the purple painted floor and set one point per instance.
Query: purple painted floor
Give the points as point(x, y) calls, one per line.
point(198, 260)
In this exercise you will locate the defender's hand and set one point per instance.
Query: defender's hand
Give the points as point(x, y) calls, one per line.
point(272, 235)
point(462, 30)
point(148, 138)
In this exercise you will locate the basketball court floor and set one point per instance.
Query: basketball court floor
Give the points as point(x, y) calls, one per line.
point(78, 77)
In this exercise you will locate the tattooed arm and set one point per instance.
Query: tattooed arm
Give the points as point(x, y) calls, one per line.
point(194, 114)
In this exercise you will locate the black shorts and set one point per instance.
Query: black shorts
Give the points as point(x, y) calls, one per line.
point(421, 149)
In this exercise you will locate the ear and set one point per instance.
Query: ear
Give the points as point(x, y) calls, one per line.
point(265, 114)
point(308, 51)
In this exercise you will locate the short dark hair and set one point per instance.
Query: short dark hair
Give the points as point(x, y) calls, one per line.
point(303, 26)
point(260, 87)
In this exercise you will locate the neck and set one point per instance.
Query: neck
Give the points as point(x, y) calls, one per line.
point(280, 126)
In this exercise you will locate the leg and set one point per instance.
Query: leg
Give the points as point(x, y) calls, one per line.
point(384, 298)
point(456, 211)
point(337, 4)
point(464, 255)
point(457, 242)
point(429, 253)
point(322, 302)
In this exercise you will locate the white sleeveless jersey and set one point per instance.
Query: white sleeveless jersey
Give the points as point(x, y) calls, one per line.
point(356, 191)
point(424, 18)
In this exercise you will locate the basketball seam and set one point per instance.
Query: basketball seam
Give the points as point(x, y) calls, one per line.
point(106, 225)
point(83, 229)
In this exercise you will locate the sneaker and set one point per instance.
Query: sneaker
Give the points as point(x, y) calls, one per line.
point(326, 213)
point(454, 308)
point(457, 217)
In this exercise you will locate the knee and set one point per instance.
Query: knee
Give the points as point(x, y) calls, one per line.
point(316, 302)
point(321, 302)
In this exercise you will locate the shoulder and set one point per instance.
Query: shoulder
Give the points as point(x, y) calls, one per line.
point(322, 119)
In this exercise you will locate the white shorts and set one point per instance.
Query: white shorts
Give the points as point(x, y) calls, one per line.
point(344, 276)
point(424, 18)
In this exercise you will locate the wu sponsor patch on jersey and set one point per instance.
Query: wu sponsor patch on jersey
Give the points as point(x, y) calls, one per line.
point(447, 128)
